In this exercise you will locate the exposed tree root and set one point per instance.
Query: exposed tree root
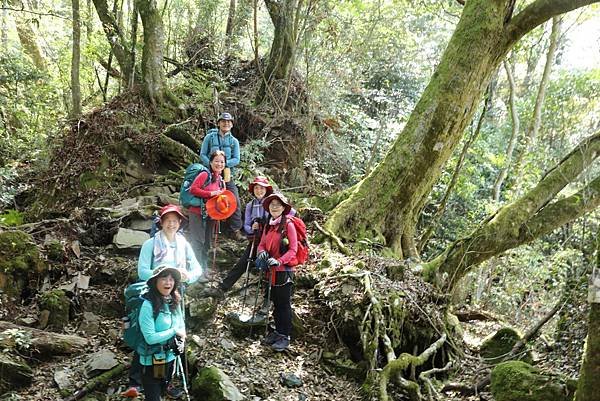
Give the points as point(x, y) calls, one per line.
point(404, 361)
point(334, 239)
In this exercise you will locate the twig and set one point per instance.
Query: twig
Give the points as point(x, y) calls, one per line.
point(22, 10)
point(104, 378)
point(424, 377)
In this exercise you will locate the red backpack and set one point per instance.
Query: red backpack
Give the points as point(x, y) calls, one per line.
point(302, 252)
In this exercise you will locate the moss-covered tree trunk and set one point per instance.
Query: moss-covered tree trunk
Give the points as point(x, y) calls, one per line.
point(589, 376)
point(153, 75)
point(387, 203)
point(525, 219)
point(75, 61)
point(285, 18)
point(116, 39)
point(28, 38)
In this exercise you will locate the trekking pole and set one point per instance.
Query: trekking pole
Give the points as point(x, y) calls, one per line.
point(258, 291)
point(252, 248)
point(185, 366)
point(179, 367)
point(217, 230)
point(271, 275)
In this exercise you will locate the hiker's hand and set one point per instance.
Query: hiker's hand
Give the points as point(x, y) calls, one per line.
point(180, 333)
point(216, 193)
point(255, 226)
point(261, 265)
point(180, 344)
point(273, 262)
point(262, 255)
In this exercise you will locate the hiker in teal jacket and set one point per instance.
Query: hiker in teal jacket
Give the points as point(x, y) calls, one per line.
point(222, 139)
point(161, 320)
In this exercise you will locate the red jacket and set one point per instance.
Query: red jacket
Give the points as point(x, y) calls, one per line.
point(204, 193)
point(271, 241)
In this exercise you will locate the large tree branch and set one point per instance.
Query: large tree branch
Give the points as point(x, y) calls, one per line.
point(539, 12)
point(561, 212)
point(525, 219)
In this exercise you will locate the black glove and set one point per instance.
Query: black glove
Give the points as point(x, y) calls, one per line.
point(273, 262)
point(261, 264)
point(262, 255)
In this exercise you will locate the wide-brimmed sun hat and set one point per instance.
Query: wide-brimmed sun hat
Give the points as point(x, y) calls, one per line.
point(221, 206)
point(286, 205)
point(260, 181)
point(177, 274)
point(170, 209)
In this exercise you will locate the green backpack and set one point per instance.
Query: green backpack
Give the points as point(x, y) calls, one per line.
point(132, 334)
point(186, 199)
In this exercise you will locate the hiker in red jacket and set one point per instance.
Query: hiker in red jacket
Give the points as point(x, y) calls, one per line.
point(277, 252)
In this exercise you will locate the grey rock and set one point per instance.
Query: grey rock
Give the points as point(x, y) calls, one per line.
point(140, 225)
point(290, 380)
point(126, 238)
point(99, 362)
point(63, 378)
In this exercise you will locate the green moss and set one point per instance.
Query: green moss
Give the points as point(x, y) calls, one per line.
point(207, 385)
point(11, 218)
point(519, 381)
point(19, 258)
point(57, 303)
point(500, 344)
point(55, 251)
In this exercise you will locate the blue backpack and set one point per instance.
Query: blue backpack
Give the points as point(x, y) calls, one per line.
point(132, 334)
point(186, 199)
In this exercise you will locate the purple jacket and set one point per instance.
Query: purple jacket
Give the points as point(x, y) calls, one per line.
point(255, 210)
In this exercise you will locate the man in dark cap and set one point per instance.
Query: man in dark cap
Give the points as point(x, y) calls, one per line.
point(222, 139)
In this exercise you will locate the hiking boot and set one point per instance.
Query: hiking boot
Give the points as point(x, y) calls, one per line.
point(132, 392)
point(271, 338)
point(174, 392)
point(282, 343)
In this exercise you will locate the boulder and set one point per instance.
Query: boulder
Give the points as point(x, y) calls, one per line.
point(519, 381)
point(19, 260)
point(212, 384)
point(126, 238)
point(498, 345)
point(14, 373)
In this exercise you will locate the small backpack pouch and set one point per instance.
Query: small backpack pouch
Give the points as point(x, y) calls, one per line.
point(159, 366)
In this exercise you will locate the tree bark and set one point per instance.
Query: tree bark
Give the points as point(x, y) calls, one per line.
point(28, 38)
point(75, 61)
point(230, 22)
point(153, 75)
point(117, 41)
point(397, 189)
point(587, 386)
point(439, 212)
point(525, 219)
point(514, 116)
point(285, 17)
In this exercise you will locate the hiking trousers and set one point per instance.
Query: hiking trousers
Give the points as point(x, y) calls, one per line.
point(155, 388)
point(281, 295)
point(235, 221)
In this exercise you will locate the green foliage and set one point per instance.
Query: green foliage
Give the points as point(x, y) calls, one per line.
point(11, 217)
